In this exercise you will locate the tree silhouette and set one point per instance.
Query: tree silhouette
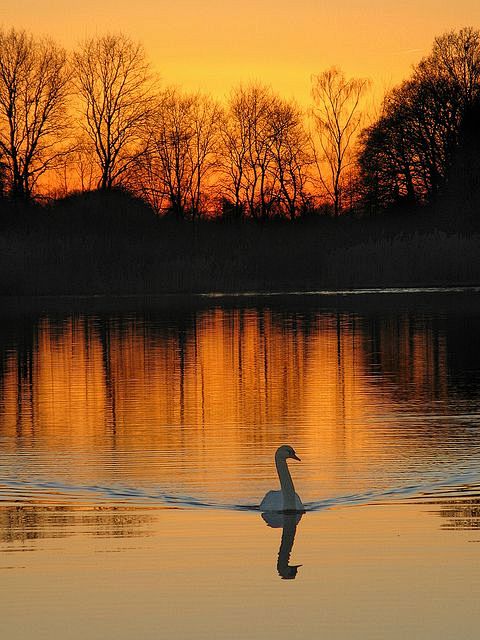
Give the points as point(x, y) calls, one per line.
point(337, 119)
point(114, 83)
point(291, 157)
point(183, 139)
point(265, 153)
point(251, 107)
point(34, 85)
point(408, 152)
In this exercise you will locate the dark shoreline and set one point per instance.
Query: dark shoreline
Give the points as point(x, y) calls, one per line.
point(453, 299)
point(113, 244)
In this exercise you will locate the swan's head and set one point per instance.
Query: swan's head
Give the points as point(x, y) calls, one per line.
point(286, 451)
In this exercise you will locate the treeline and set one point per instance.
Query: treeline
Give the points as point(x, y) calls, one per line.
point(416, 150)
point(97, 118)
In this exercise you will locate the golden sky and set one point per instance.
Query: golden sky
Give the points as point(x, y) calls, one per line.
point(212, 45)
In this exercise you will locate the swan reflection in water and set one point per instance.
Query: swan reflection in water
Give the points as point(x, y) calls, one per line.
point(288, 522)
point(284, 509)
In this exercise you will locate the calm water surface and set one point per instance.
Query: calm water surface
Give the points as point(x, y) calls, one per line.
point(137, 439)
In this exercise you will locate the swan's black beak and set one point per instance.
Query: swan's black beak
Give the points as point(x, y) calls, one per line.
point(295, 457)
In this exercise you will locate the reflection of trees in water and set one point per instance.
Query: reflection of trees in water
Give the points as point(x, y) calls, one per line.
point(410, 353)
point(117, 361)
point(460, 514)
point(424, 355)
point(249, 366)
point(463, 356)
point(21, 523)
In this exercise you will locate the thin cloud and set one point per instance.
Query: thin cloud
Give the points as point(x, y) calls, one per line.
point(407, 51)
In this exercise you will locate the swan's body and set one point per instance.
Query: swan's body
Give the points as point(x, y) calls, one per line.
point(286, 499)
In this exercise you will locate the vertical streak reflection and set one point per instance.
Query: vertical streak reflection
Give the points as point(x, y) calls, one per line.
point(226, 381)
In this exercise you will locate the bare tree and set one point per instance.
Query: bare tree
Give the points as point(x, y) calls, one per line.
point(233, 160)
point(264, 153)
point(34, 86)
point(183, 143)
point(114, 83)
point(291, 158)
point(248, 160)
point(143, 178)
point(457, 56)
point(256, 101)
point(206, 116)
point(76, 171)
point(337, 118)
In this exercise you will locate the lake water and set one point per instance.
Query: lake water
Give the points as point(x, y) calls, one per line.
point(137, 439)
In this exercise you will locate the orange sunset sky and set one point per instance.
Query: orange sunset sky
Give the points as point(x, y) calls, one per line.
point(211, 45)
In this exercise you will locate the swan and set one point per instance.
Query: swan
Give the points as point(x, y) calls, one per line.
point(286, 499)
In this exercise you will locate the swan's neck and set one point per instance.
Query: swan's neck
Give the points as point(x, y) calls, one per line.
point(286, 484)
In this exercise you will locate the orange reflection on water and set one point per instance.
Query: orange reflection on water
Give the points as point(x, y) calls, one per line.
point(56, 388)
point(104, 418)
point(237, 367)
point(209, 395)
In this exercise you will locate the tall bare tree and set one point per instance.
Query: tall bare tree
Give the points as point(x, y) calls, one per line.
point(255, 102)
point(247, 145)
point(233, 155)
point(291, 158)
point(337, 118)
point(183, 149)
point(34, 86)
point(265, 154)
point(114, 83)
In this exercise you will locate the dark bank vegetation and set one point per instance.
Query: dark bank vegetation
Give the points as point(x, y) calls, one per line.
point(109, 184)
point(113, 243)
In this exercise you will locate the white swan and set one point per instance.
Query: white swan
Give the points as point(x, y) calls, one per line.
point(286, 499)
